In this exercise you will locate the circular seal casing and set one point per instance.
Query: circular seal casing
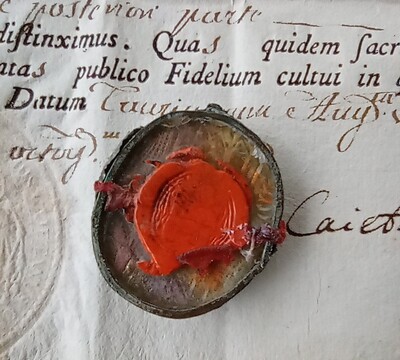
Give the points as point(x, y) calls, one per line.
point(117, 247)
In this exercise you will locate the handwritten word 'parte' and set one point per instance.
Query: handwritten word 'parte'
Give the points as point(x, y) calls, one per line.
point(230, 17)
point(383, 223)
point(72, 155)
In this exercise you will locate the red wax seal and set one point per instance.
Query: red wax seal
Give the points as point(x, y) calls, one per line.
point(189, 212)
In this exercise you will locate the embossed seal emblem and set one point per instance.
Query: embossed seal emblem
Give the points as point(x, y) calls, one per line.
point(30, 242)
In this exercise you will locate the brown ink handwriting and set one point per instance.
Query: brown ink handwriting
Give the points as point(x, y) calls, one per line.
point(72, 155)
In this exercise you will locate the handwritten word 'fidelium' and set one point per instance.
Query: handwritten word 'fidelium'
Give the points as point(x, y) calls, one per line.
point(378, 223)
point(71, 155)
point(219, 74)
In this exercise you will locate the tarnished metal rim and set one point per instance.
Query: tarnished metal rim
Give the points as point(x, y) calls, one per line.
point(109, 172)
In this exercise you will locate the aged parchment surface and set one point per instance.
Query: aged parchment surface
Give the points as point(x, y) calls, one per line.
point(317, 80)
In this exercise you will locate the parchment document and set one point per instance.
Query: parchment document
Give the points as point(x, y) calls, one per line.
point(317, 80)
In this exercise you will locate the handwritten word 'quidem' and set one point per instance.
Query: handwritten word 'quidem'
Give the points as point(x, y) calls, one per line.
point(72, 156)
point(384, 222)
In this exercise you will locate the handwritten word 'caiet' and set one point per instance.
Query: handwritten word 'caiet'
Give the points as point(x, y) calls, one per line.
point(384, 222)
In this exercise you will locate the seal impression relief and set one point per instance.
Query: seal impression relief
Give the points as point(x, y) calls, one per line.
point(31, 241)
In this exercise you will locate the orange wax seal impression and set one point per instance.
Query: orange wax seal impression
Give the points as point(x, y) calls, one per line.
point(204, 199)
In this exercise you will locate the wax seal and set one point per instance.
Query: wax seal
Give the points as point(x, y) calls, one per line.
point(187, 213)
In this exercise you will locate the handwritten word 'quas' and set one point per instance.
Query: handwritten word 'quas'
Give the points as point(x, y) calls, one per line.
point(165, 45)
point(384, 222)
point(72, 156)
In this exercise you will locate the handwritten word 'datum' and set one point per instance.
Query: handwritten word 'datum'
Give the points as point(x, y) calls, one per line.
point(72, 155)
point(24, 97)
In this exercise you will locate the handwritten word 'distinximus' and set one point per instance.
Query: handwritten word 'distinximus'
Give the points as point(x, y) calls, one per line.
point(383, 223)
point(356, 109)
point(30, 35)
point(72, 155)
